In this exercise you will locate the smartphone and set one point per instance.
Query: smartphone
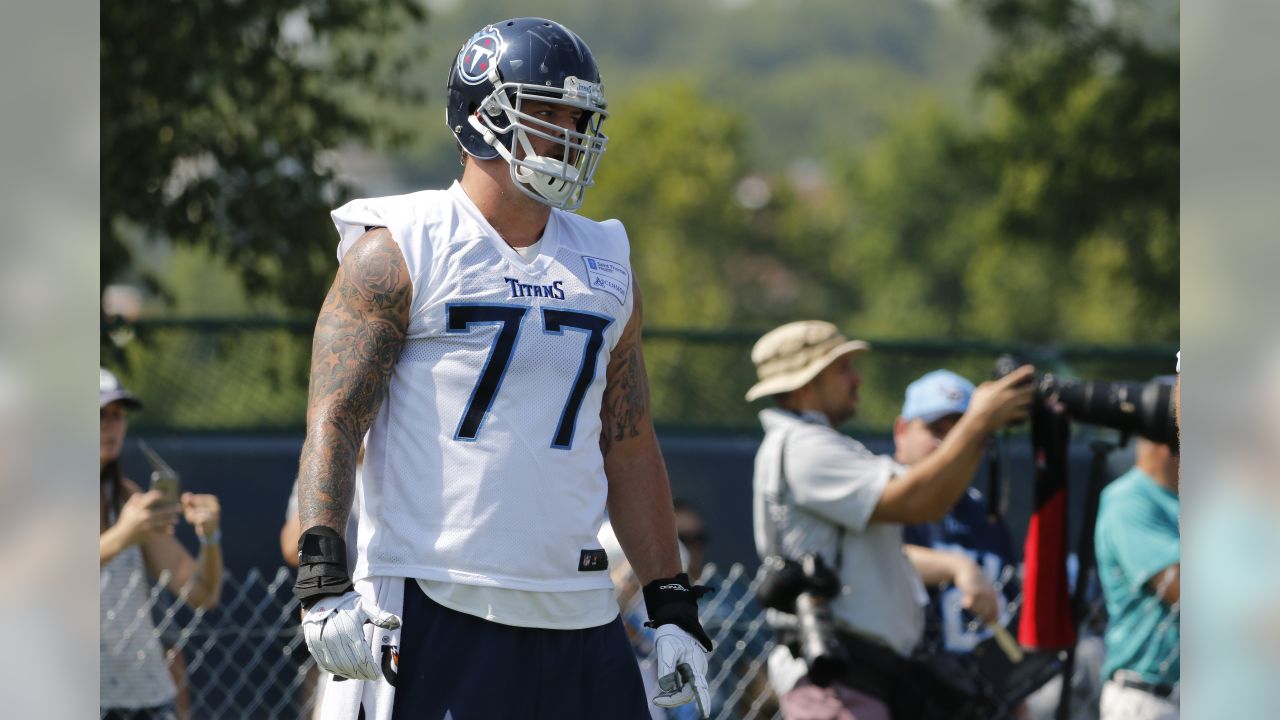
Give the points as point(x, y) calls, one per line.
point(163, 477)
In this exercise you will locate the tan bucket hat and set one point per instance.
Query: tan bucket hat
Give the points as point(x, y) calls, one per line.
point(790, 356)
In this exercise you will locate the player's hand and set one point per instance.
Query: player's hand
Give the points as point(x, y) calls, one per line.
point(334, 631)
point(146, 514)
point(1003, 401)
point(682, 670)
point(202, 511)
point(976, 593)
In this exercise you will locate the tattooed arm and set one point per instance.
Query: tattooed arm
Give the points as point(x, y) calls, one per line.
point(639, 494)
point(358, 338)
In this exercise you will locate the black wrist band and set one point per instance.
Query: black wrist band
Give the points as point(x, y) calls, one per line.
point(673, 601)
point(322, 565)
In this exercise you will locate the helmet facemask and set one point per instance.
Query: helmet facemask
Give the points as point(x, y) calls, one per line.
point(503, 122)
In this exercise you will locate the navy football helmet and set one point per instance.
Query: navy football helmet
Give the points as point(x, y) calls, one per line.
point(508, 64)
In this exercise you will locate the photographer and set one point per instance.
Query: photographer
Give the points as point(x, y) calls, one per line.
point(976, 544)
point(934, 404)
point(1139, 563)
point(822, 498)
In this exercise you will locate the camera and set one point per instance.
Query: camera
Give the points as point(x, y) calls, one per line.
point(1133, 408)
point(804, 588)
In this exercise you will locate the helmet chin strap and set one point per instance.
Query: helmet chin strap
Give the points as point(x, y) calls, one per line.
point(551, 179)
point(548, 177)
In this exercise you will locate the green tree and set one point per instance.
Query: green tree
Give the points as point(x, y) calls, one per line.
point(218, 119)
point(805, 79)
point(671, 180)
point(915, 201)
point(1085, 141)
point(1053, 219)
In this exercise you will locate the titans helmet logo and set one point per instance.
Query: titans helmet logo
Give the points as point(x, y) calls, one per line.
point(481, 53)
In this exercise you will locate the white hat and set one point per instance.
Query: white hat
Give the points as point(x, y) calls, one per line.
point(110, 390)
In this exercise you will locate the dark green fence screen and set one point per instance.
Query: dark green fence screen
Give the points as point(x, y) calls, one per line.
point(250, 374)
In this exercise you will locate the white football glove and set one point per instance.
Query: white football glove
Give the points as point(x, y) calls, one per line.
point(334, 631)
point(682, 669)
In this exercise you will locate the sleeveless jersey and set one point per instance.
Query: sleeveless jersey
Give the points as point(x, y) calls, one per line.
point(483, 466)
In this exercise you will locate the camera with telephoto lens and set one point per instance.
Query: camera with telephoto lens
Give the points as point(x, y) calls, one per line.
point(804, 588)
point(1133, 408)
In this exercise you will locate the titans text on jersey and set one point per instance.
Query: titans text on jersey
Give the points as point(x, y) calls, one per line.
point(483, 465)
point(519, 289)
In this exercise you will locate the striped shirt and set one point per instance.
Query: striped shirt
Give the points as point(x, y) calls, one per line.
point(132, 668)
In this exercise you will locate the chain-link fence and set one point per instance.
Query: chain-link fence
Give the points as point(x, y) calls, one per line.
point(243, 659)
point(247, 659)
point(250, 374)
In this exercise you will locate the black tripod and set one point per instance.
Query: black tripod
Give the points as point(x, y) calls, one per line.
point(1085, 564)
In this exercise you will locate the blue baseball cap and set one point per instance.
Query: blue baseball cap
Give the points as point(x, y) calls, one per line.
point(937, 395)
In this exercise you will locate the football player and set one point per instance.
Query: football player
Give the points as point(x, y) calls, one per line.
point(489, 341)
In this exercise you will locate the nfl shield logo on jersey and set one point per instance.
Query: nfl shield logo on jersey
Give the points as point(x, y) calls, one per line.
point(390, 662)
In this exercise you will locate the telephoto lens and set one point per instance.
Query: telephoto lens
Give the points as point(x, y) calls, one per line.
point(819, 644)
point(1133, 408)
point(821, 647)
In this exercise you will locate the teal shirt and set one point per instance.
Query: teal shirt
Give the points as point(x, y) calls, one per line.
point(1229, 579)
point(1137, 537)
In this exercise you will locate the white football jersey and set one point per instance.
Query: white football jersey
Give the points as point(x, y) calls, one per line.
point(483, 466)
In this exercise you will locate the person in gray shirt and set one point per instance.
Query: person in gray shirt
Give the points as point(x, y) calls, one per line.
point(818, 491)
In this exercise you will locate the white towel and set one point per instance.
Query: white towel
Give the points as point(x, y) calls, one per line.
point(344, 699)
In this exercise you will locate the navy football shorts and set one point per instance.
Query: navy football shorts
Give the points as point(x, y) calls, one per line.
point(461, 667)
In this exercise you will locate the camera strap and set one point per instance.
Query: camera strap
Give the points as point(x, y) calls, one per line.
point(778, 503)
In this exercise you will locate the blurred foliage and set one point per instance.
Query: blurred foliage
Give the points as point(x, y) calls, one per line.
point(672, 184)
point(219, 376)
point(805, 78)
point(1053, 218)
point(771, 160)
point(1085, 142)
point(218, 121)
point(916, 210)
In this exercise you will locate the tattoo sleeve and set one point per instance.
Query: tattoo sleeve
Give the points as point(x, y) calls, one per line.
point(359, 335)
point(624, 411)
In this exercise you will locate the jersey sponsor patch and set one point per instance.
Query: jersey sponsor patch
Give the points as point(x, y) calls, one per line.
point(593, 560)
point(608, 276)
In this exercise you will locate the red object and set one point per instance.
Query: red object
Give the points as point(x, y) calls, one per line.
point(1046, 621)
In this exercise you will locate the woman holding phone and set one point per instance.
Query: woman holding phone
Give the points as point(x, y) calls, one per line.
point(136, 545)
